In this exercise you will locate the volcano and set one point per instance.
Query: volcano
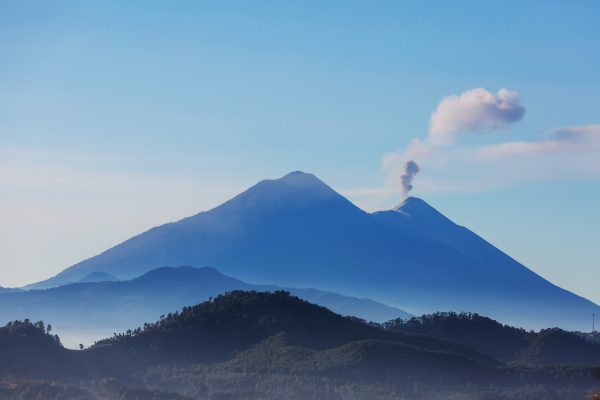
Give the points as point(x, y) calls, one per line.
point(297, 231)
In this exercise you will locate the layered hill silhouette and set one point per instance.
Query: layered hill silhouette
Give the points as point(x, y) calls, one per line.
point(297, 231)
point(28, 350)
point(216, 330)
point(99, 305)
point(503, 342)
point(265, 345)
point(8, 290)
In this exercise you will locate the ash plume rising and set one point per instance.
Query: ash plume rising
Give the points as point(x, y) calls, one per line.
point(411, 169)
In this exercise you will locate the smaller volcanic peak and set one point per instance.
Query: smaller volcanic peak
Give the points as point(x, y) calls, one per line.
point(410, 202)
point(302, 179)
point(414, 205)
point(419, 209)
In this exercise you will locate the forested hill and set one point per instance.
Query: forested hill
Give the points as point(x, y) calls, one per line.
point(216, 329)
point(30, 350)
point(100, 305)
point(261, 345)
point(503, 342)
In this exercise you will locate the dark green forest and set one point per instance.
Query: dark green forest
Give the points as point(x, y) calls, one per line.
point(261, 345)
point(512, 345)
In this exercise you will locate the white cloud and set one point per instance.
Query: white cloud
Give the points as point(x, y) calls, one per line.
point(559, 155)
point(474, 111)
point(561, 141)
point(577, 133)
point(562, 155)
point(519, 149)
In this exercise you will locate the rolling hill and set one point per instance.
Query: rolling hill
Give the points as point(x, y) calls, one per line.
point(503, 342)
point(87, 311)
point(266, 345)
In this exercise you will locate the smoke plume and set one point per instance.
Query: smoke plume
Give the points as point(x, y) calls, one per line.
point(475, 111)
point(411, 169)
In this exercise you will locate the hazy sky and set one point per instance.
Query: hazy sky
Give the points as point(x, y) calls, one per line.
point(118, 116)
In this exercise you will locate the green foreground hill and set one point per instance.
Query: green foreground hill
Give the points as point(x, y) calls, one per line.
point(256, 345)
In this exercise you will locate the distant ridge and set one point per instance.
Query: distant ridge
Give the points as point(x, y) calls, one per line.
point(297, 231)
point(98, 276)
point(87, 311)
point(8, 290)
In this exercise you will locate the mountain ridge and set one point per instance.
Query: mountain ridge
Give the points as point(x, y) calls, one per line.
point(297, 231)
point(85, 311)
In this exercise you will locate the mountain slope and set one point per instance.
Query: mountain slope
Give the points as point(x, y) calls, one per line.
point(517, 289)
point(88, 311)
point(297, 231)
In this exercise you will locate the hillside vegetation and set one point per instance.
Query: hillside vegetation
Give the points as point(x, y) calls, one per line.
point(256, 345)
point(546, 347)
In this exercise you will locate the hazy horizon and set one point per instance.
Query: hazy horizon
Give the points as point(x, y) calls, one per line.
point(117, 118)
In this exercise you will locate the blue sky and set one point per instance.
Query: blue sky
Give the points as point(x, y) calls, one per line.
point(116, 117)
